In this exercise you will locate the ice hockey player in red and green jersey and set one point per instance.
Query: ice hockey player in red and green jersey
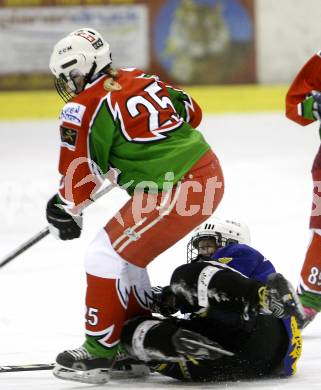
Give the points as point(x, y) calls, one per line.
point(137, 131)
point(303, 105)
point(118, 126)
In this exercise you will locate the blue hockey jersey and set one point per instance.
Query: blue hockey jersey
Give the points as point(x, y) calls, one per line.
point(246, 260)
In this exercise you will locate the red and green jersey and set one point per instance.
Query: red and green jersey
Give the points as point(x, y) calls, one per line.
point(307, 80)
point(141, 131)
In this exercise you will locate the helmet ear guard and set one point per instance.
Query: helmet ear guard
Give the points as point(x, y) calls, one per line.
point(224, 231)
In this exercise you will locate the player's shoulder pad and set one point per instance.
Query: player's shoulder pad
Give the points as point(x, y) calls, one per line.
point(130, 69)
point(82, 106)
point(133, 71)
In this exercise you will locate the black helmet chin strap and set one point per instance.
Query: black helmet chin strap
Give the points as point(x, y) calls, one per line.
point(89, 75)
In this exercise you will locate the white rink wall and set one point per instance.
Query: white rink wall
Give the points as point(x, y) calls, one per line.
point(288, 33)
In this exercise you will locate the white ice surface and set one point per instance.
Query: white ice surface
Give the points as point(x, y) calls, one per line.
point(266, 161)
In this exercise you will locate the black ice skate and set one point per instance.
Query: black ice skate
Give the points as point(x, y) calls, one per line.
point(79, 365)
point(126, 367)
point(280, 298)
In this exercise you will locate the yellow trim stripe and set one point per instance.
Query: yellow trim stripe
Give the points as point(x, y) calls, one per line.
point(212, 99)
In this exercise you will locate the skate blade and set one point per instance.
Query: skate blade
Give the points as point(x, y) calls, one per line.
point(135, 371)
point(97, 376)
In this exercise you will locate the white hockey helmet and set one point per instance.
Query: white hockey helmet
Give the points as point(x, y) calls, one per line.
point(82, 53)
point(223, 231)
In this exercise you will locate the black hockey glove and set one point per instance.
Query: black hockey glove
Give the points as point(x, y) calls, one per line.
point(164, 302)
point(280, 299)
point(61, 224)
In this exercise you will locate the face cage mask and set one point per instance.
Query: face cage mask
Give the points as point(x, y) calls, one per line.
point(63, 90)
point(67, 89)
point(192, 246)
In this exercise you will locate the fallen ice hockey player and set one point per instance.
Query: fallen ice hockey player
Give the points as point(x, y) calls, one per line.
point(240, 327)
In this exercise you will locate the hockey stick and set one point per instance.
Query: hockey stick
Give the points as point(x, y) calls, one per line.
point(23, 247)
point(136, 371)
point(44, 232)
point(27, 367)
point(50, 366)
point(209, 347)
